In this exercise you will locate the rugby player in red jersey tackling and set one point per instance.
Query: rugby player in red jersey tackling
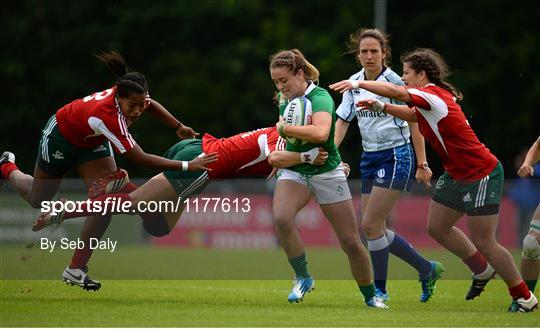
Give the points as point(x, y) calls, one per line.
point(82, 134)
point(473, 178)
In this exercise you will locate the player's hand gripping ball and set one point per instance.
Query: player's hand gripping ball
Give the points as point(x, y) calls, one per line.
point(298, 113)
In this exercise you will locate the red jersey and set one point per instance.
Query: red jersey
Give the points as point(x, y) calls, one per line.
point(244, 154)
point(90, 121)
point(445, 127)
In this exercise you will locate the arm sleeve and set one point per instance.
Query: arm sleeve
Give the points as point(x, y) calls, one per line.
point(323, 103)
point(115, 130)
point(275, 142)
point(419, 99)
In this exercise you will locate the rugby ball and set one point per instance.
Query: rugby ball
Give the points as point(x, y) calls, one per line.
point(298, 113)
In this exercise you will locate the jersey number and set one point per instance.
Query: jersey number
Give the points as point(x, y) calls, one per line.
point(98, 96)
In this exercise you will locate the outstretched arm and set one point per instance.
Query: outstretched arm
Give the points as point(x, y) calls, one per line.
point(399, 111)
point(381, 88)
point(533, 156)
point(161, 113)
point(137, 156)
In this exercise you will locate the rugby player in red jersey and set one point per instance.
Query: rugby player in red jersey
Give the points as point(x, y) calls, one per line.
point(249, 154)
point(82, 134)
point(473, 178)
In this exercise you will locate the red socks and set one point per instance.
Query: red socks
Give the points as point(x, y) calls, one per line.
point(520, 291)
point(7, 168)
point(80, 257)
point(477, 263)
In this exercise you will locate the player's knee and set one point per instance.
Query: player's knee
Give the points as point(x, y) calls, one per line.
point(531, 248)
point(484, 246)
point(350, 244)
point(435, 231)
point(283, 222)
point(371, 228)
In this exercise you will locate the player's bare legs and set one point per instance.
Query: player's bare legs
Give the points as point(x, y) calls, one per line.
point(483, 230)
point(90, 171)
point(289, 198)
point(364, 200)
point(483, 234)
point(158, 188)
point(375, 209)
point(155, 189)
point(34, 189)
point(93, 227)
point(341, 217)
point(441, 220)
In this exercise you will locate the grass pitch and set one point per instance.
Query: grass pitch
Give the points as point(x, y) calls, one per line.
point(128, 299)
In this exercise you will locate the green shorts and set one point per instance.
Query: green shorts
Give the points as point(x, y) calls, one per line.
point(56, 156)
point(477, 198)
point(186, 183)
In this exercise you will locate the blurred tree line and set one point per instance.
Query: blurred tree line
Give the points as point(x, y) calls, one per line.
point(207, 62)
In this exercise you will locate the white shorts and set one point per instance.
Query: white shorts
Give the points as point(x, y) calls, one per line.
point(330, 187)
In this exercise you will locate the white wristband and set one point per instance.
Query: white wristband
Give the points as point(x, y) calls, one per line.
point(378, 106)
point(185, 165)
point(355, 84)
point(309, 156)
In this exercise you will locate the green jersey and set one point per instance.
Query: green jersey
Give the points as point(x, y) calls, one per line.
point(320, 101)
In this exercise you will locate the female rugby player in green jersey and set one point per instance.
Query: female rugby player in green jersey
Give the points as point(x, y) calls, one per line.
point(295, 77)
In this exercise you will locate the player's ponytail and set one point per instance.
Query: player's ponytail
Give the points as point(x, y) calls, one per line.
point(294, 60)
point(436, 69)
point(127, 82)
